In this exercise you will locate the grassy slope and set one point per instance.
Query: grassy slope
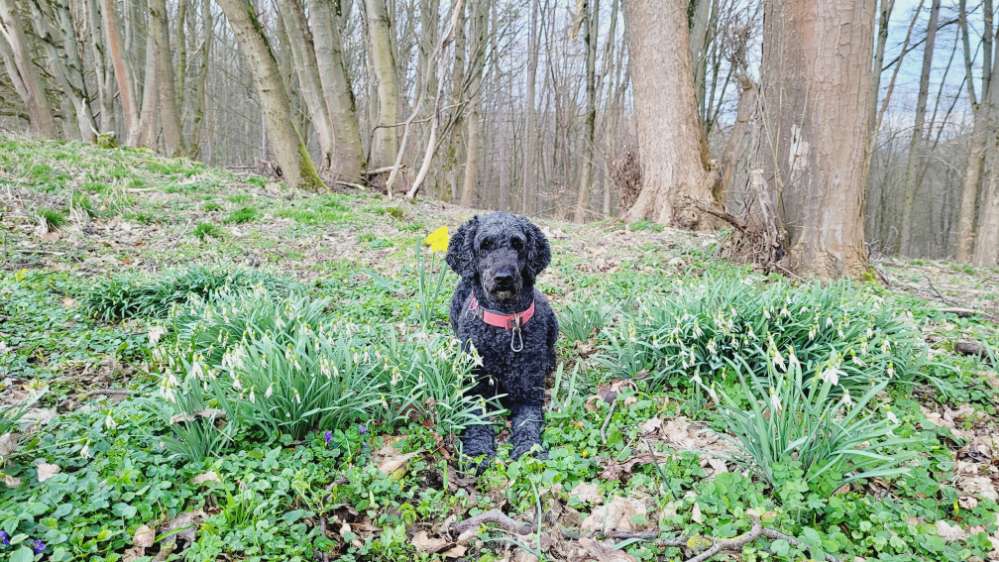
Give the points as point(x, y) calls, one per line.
point(129, 211)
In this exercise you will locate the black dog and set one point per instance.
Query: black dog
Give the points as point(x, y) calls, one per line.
point(496, 309)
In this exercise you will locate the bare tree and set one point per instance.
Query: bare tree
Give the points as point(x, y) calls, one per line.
point(122, 70)
point(590, 12)
point(296, 165)
point(166, 88)
point(21, 68)
point(385, 143)
point(916, 144)
point(677, 182)
point(817, 126)
point(337, 91)
point(982, 119)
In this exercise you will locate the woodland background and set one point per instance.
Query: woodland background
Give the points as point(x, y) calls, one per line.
point(527, 105)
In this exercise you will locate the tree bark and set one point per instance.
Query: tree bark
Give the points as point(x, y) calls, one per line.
point(303, 53)
point(149, 114)
point(200, 90)
point(386, 140)
point(173, 143)
point(337, 91)
point(972, 182)
point(915, 158)
point(987, 242)
point(473, 120)
point(591, 31)
point(297, 167)
point(816, 95)
point(122, 71)
point(677, 182)
point(27, 75)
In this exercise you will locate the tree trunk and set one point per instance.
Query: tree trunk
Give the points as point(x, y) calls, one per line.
point(337, 92)
point(590, 37)
point(677, 183)
point(915, 158)
point(173, 144)
point(386, 140)
point(149, 114)
point(816, 95)
point(303, 54)
point(27, 75)
point(972, 183)
point(289, 150)
point(987, 242)
point(473, 120)
point(122, 71)
point(200, 91)
point(528, 158)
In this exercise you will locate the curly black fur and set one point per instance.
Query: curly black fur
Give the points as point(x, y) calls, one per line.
point(498, 257)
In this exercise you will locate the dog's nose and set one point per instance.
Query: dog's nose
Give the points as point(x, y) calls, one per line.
point(504, 279)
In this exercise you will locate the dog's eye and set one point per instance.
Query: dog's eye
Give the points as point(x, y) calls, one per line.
point(487, 244)
point(517, 244)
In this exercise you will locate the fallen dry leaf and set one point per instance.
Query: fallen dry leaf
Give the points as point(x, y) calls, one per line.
point(11, 482)
point(209, 476)
point(144, 536)
point(950, 532)
point(620, 514)
point(390, 461)
point(587, 492)
point(602, 552)
point(695, 514)
point(457, 551)
point(650, 425)
point(8, 444)
point(424, 543)
point(46, 471)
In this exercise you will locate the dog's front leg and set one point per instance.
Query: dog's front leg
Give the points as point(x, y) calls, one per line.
point(480, 439)
point(527, 420)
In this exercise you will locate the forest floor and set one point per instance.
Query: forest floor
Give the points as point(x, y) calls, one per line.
point(121, 269)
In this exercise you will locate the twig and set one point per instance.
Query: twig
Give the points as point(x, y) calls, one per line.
point(603, 428)
point(495, 517)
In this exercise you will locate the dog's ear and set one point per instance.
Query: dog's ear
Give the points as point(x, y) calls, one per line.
point(460, 250)
point(539, 252)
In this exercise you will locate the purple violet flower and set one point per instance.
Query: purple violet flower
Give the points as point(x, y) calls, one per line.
point(38, 546)
point(328, 437)
point(362, 429)
point(4, 538)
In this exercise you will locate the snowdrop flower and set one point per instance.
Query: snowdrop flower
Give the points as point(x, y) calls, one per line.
point(831, 375)
point(85, 451)
point(774, 402)
point(253, 397)
point(269, 391)
point(196, 370)
point(892, 418)
point(109, 422)
point(713, 395)
point(847, 399)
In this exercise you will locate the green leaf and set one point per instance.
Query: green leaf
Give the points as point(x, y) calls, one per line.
point(22, 554)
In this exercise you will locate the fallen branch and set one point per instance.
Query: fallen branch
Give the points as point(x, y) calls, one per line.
point(971, 348)
point(742, 540)
point(495, 517)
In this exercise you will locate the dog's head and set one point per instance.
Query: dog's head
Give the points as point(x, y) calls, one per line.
point(502, 252)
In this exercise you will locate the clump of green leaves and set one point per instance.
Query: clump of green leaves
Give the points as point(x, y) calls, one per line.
point(206, 230)
point(243, 215)
point(316, 380)
point(797, 429)
point(706, 324)
point(206, 331)
point(430, 379)
point(121, 297)
point(582, 320)
point(11, 414)
point(54, 219)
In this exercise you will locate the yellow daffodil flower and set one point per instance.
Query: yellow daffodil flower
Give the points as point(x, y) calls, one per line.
point(437, 240)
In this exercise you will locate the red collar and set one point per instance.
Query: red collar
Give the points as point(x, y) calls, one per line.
point(500, 319)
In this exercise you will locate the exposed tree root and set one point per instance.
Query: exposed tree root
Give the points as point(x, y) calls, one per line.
point(495, 517)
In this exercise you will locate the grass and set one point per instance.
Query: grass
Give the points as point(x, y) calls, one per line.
point(367, 388)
